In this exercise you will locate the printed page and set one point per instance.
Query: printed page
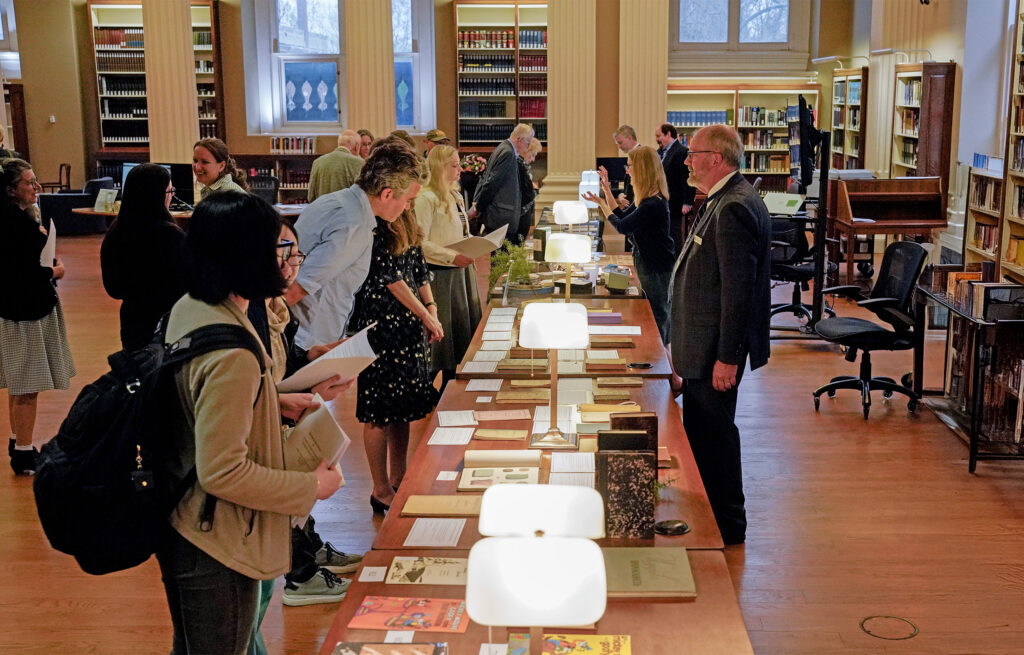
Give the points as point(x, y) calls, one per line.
point(435, 533)
point(450, 436)
point(348, 359)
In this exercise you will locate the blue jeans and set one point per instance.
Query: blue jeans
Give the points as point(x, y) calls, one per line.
point(213, 609)
point(655, 286)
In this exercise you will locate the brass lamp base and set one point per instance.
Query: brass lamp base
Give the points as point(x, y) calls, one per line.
point(555, 439)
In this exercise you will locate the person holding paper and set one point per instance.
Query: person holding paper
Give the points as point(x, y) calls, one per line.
point(34, 351)
point(441, 215)
point(396, 389)
point(336, 233)
point(141, 254)
point(230, 431)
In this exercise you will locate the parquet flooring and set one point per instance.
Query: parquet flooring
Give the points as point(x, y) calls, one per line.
point(848, 519)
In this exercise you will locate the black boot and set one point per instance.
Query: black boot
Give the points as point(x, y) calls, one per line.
point(24, 462)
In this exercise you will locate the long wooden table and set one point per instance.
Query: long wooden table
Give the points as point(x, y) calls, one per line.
point(647, 346)
point(710, 624)
point(684, 498)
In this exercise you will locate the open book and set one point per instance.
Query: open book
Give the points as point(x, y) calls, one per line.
point(348, 359)
point(317, 436)
point(474, 247)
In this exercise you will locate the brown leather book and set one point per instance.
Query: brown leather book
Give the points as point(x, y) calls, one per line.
point(620, 382)
point(632, 440)
point(646, 421)
point(611, 341)
point(626, 482)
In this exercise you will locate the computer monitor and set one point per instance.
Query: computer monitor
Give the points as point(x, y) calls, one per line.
point(616, 167)
point(129, 165)
point(181, 179)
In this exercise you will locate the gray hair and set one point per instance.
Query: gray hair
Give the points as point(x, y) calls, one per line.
point(349, 139)
point(626, 130)
point(391, 164)
point(724, 139)
point(521, 131)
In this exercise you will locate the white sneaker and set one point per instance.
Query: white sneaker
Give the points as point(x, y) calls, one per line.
point(324, 587)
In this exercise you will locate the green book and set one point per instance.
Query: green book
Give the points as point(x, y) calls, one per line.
point(648, 573)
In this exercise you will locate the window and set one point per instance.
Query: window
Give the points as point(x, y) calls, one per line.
point(295, 83)
point(739, 36)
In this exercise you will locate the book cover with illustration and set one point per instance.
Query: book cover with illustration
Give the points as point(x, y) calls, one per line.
point(427, 570)
point(357, 648)
point(590, 644)
point(400, 613)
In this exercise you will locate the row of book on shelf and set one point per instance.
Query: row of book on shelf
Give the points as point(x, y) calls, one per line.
point(986, 237)
point(753, 115)
point(292, 145)
point(911, 92)
point(701, 118)
point(910, 122)
point(129, 37)
point(986, 192)
point(1014, 253)
point(989, 301)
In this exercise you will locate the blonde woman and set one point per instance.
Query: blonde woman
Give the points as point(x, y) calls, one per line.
point(645, 223)
point(441, 216)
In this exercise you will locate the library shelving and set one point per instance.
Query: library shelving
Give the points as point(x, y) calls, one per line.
point(502, 71)
point(849, 116)
point(290, 160)
point(120, 63)
point(757, 111)
point(923, 121)
point(1011, 263)
point(984, 209)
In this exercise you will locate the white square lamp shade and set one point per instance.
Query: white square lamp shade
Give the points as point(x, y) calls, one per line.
point(549, 510)
point(589, 181)
point(570, 212)
point(549, 581)
point(565, 248)
point(554, 325)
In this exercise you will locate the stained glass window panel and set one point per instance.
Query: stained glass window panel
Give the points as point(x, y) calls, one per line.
point(764, 21)
point(311, 91)
point(401, 25)
point(404, 92)
point(703, 21)
point(308, 27)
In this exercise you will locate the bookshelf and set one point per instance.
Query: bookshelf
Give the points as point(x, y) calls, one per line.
point(1011, 264)
point(922, 121)
point(757, 111)
point(290, 160)
point(849, 117)
point(984, 210)
point(120, 64)
point(502, 71)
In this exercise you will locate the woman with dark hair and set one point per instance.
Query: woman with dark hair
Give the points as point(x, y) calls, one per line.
point(214, 168)
point(231, 433)
point(141, 254)
point(34, 351)
point(396, 389)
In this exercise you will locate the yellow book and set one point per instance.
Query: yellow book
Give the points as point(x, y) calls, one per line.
point(523, 396)
point(611, 395)
point(500, 435)
point(648, 573)
point(528, 384)
point(518, 364)
point(445, 505)
point(620, 382)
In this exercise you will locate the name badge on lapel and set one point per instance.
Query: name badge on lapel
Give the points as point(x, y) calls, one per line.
point(698, 240)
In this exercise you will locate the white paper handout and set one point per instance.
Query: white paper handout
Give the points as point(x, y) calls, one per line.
point(572, 479)
point(451, 436)
point(455, 418)
point(503, 311)
point(603, 354)
point(572, 462)
point(435, 533)
point(614, 329)
point(317, 436)
point(484, 385)
point(489, 355)
point(479, 367)
point(348, 359)
point(474, 247)
point(497, 335)
point(49, 252)
point(495, 345)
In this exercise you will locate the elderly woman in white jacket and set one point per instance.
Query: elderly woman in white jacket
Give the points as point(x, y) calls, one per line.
point(441, 215)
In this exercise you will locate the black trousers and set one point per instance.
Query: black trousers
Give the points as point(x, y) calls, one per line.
point(709, 418)
point(305, 544)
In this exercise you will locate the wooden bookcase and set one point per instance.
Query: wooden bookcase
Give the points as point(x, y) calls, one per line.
point(119, 60)
point(757, 111)
point(1011, 262)
point(984, 209)
point(922, 121)
point(502, 71)
point(849, 117)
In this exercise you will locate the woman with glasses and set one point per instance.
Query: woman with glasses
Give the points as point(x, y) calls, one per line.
point(141, 254)
point(34, 351)
point(645, 223)
point(441, 215)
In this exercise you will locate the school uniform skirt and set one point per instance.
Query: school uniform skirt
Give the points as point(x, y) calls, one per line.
point(35, 355)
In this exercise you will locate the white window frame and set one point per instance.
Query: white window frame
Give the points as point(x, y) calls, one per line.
point(264, 74)
point(423, 68)
point(742, 58)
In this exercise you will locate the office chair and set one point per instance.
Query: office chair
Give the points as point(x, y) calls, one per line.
point(792, 263)
point(891, 300)
point(64, 180)
point(265, 186)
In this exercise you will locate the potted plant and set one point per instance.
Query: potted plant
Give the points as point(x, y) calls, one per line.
point(514, 260)
point(472, 167)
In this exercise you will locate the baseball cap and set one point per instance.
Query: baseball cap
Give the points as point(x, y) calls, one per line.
point(437, 136)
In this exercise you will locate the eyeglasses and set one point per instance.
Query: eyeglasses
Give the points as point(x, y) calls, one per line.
point(296, 259)
point(170, 191)
point(704, 152)
point(286, 246)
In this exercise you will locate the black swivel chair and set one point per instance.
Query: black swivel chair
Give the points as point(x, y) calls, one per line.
point(265, 186)
point(891, 300)
point(792, 262)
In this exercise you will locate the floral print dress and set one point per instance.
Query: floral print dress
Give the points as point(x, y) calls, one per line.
point(396, 388)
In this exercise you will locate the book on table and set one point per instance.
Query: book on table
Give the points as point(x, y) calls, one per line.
point(380, 648)
point(560, 644)
point(648, 573)
point(403, 613)
point(484, 468)
point(427, 570)
point(442, 505)
point(626, 482)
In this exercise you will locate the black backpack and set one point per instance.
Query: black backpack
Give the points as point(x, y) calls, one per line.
point(104, 486)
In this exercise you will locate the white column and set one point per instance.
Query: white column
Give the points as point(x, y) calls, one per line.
point(572, 97)
point(170, 80)
point(369, 66)
point(643, 66)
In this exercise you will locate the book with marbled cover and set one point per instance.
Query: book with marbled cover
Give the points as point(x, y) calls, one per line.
point(626, 481)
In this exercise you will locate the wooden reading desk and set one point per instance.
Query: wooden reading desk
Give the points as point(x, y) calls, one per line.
point(710, 624)
point(683, 499)
point(907, 205)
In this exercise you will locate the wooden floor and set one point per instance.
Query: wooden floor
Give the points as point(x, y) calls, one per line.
point(848, 519)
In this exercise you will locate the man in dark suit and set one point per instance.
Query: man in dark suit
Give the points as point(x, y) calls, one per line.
point(720, 312)
point(497, 200)
point(680, 194)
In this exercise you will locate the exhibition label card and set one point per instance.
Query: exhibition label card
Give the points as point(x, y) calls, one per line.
point(435, 533)
point(479, 367)
point(484, 385)
point(456, 417)
point(373, 573)
point(450, 436)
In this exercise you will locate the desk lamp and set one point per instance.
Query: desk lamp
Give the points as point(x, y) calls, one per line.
point(568, 249)
point(553, 326)
point(543, 570)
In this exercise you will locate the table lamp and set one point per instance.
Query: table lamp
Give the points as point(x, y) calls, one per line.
point(570, 212)
point(533, 577)
point(590, 181)
point(552, 326)
point(568, 249)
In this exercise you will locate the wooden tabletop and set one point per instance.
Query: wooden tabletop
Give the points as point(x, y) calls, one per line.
point(710, 624)
point(684, 498)
point(647, 346)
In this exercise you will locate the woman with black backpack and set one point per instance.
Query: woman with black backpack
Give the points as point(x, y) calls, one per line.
point(34, 351)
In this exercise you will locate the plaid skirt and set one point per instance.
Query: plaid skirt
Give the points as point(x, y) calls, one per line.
point(34, 355)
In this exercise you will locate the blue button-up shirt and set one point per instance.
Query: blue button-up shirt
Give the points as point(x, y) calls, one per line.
point(336, 233)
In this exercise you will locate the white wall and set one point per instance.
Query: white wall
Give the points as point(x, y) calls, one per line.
point(988, 49)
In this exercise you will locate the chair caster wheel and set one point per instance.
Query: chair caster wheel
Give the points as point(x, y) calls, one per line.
point(817, 403)
point(886, 394)
point(907, 380)
point(912, 406)
point(831, 393)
